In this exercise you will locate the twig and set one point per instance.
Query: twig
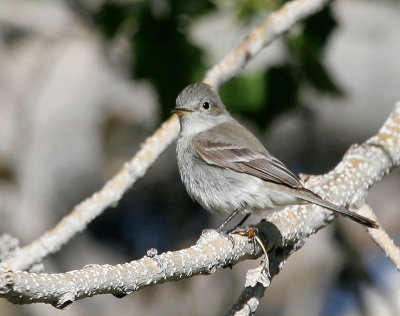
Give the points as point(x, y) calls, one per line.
point(277, 24)
point(51, 241)
point(381, 238)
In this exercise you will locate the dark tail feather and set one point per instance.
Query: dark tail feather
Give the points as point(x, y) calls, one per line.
point(310, 196)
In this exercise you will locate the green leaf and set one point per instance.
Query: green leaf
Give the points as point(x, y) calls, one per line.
point(316, 74)
point(165, 56)
point(245, 94)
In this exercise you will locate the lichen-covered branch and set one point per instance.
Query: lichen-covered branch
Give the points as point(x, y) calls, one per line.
point(347, 184)
point(283, 233)
point(382, 239)
point(211, 252)
point(51, 241)
point(277, 24)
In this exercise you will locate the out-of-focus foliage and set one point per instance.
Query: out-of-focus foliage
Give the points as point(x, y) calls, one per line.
point(245, 10)
point(303, 68)
point(161, 49)
point(163, 54)
point(308, 48)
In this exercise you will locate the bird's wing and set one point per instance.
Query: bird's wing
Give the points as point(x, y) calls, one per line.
point(260, 164)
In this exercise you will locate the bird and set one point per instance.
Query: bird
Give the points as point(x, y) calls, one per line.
point(225, 168)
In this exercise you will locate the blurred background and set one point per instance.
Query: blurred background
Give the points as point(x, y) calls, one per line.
point(83, 82)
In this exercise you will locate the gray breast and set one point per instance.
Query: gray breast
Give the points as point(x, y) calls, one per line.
point(215, 188)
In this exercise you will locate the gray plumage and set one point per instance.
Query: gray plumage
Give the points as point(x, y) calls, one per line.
point(224, 167)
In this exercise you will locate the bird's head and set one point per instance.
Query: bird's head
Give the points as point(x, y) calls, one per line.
point(199, 108)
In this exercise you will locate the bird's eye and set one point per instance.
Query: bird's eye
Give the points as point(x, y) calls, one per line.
point(206, 105)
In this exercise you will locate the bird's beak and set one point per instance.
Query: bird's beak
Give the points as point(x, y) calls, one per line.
point(181, 111)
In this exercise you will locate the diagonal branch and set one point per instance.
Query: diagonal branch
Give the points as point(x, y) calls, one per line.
point(283, 233)
point(347, 184)
point(82, 214)
point(51, 241)
point(276, 25)
point(382, 239)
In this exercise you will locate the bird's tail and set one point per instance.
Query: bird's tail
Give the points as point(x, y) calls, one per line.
point(310, 196)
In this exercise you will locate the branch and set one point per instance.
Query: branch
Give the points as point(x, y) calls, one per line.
point(382, 239)
point(275, 25)
point(211, 252)
point(361, 167)
point(283, 233)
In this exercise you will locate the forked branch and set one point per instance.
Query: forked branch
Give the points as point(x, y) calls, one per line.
point(284, 232)
point(51, 241)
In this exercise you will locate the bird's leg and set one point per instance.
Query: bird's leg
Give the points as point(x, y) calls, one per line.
point(228, 219)
point(240, 223)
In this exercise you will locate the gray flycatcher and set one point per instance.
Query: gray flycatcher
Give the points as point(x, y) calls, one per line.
point(227, 170)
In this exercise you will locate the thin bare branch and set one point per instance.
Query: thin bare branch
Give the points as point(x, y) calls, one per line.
point(277, 24)
point(381, 238)
point(51, 241)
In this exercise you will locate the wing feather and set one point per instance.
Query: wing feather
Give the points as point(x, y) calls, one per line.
point(256, 163)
